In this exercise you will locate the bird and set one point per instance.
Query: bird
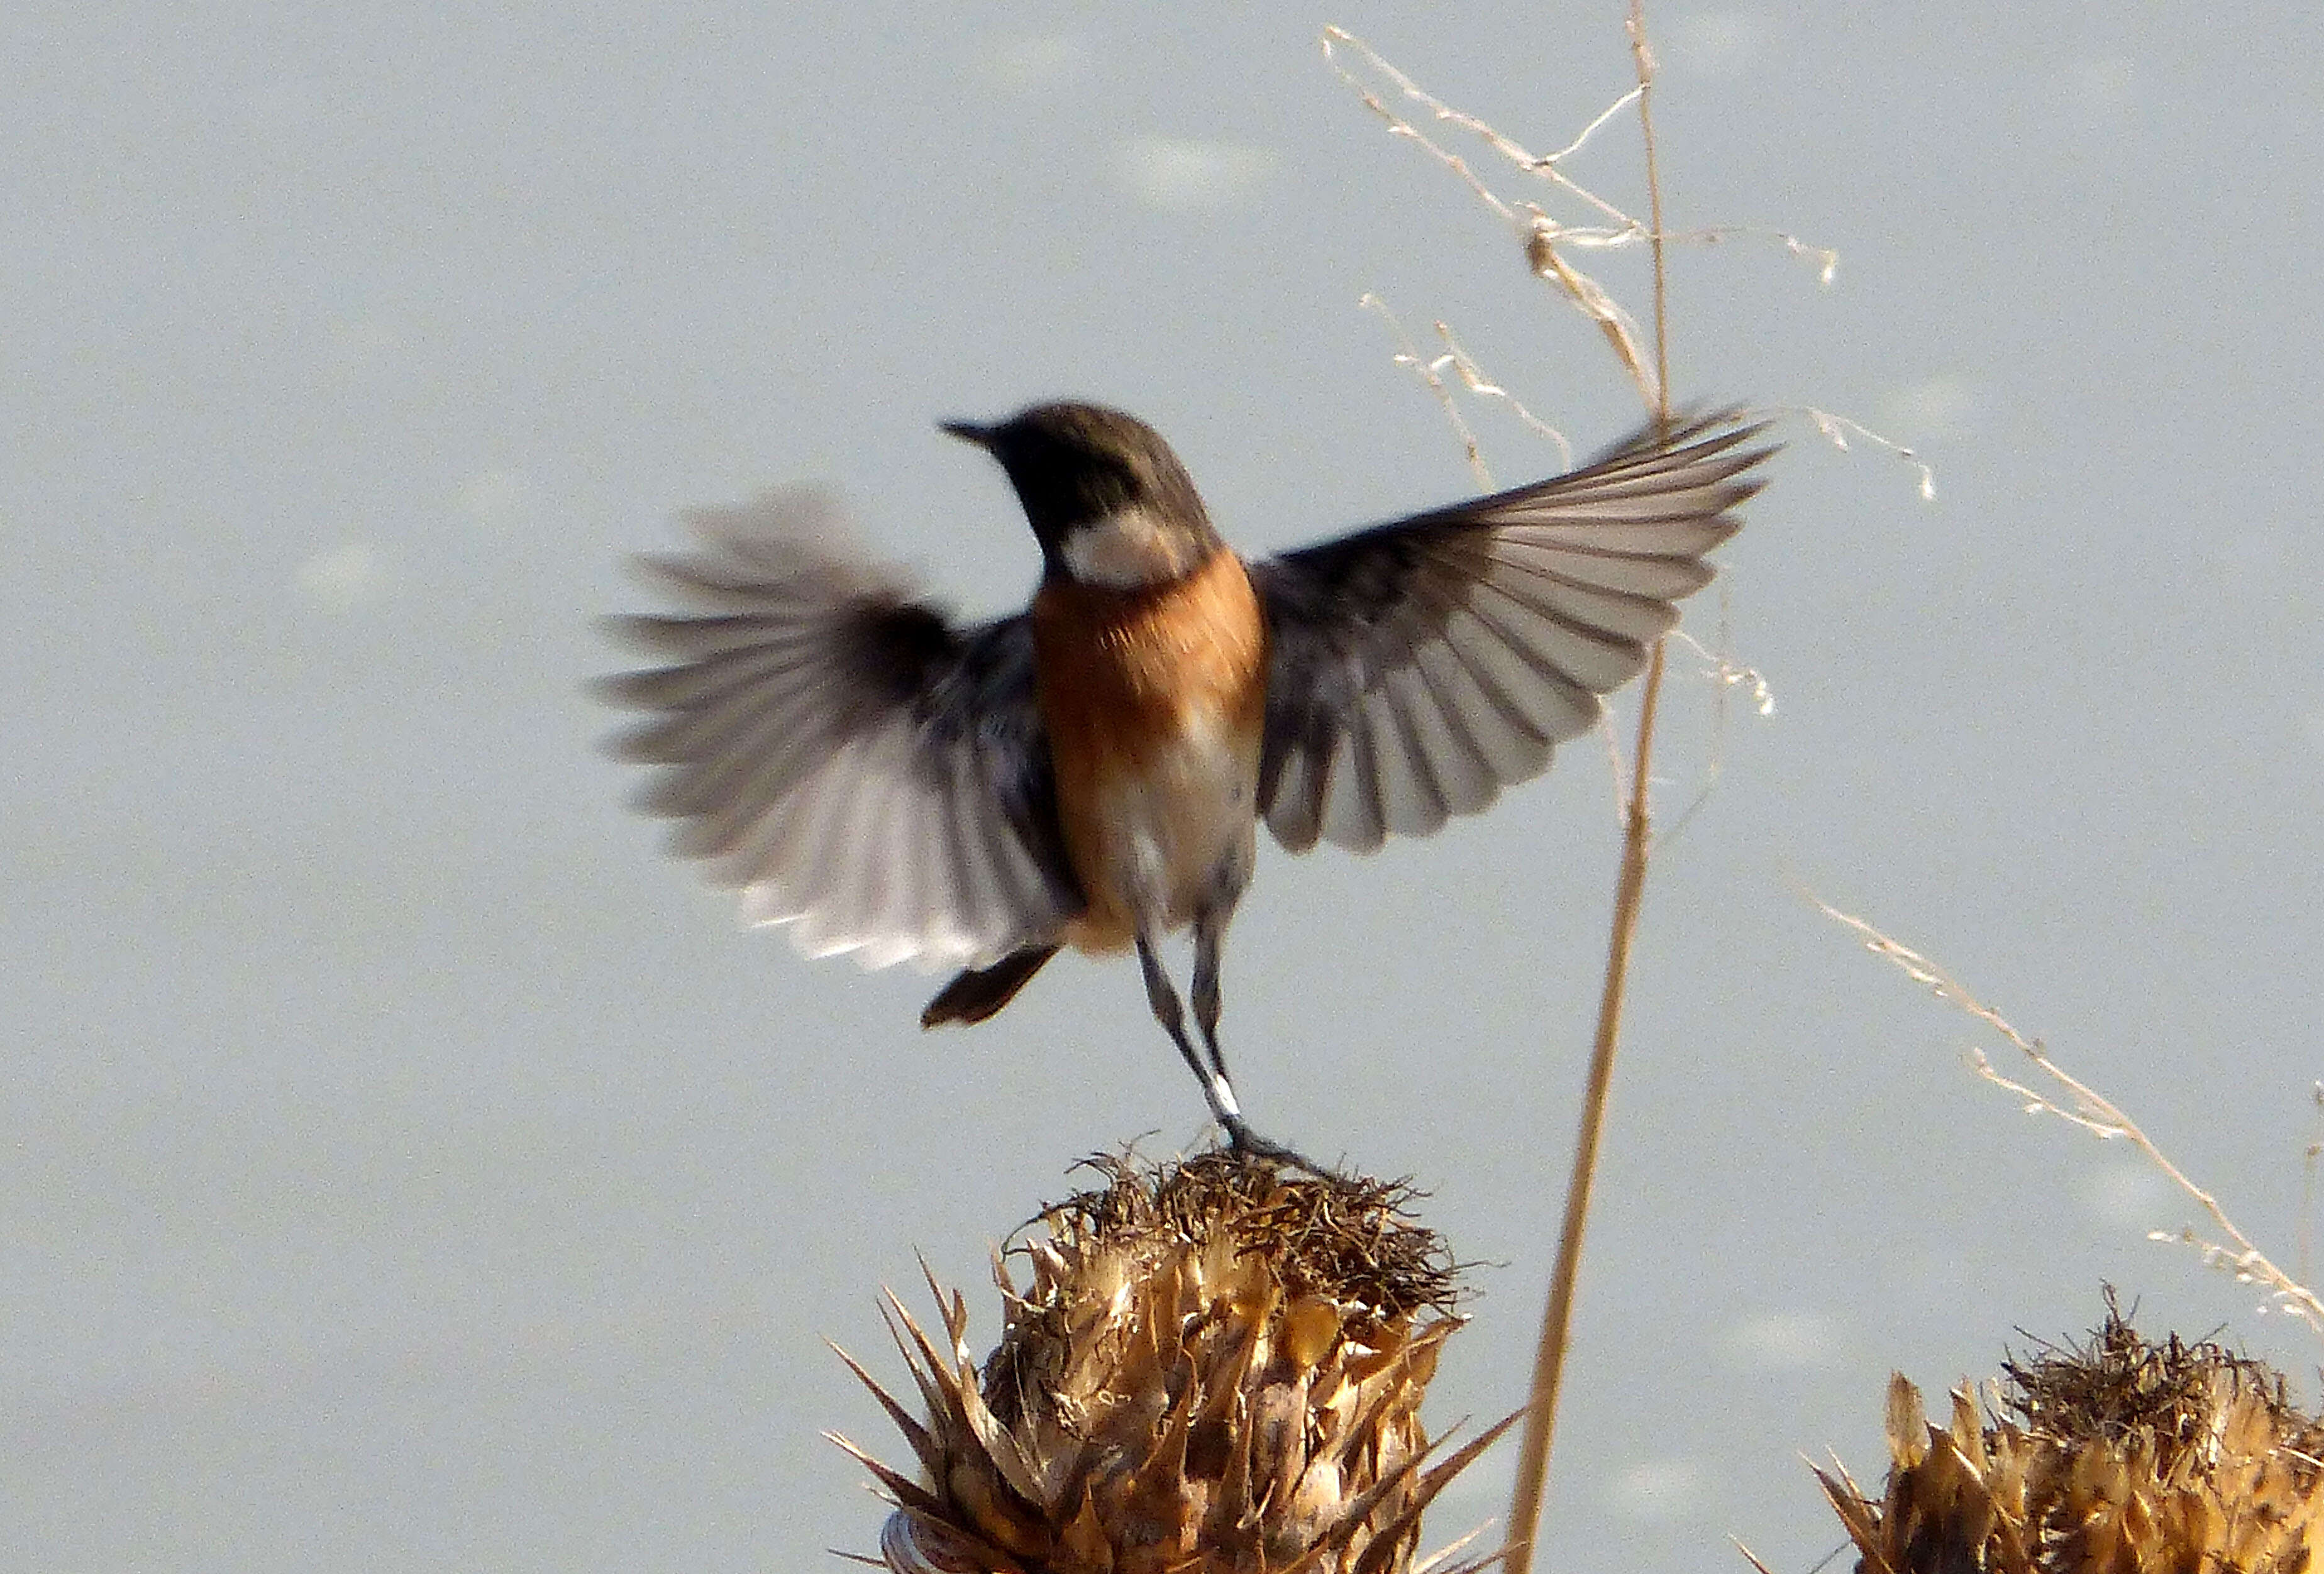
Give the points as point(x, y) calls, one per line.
point(1091, 772)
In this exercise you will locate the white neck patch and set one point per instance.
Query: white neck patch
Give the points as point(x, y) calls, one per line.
point(1129, 550)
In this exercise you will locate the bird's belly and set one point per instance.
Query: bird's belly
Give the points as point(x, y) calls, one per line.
point(1160, 836)
point(1154, 702)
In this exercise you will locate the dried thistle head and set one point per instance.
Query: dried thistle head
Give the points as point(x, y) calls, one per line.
point(2119, 1458)
point(1216, 1367)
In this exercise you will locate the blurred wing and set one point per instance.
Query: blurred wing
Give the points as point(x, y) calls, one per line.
point(836, 749)
point(1418, 667)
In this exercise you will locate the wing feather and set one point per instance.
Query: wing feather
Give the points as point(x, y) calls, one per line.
point(857, 766)
point(1408, 788)
point(1417, 668)
point(1460, 782)
point(1351, 814)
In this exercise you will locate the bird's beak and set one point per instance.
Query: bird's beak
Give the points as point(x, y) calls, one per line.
point(969, 432)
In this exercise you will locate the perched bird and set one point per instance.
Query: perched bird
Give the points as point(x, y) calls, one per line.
point(1091, 771)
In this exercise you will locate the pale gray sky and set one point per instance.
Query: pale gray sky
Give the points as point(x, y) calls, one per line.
point(408, 1168)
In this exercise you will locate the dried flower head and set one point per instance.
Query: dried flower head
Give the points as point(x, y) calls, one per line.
point(1215, 1367)
point(2120, 1457)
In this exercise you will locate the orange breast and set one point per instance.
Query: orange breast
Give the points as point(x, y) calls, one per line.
point(1154, 700)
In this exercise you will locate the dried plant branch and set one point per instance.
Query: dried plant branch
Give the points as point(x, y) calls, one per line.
point(1614, 324)
point(1625, 225)
point(1545, 241)
point(1837, 427)
point(1617, 769)
point(1431, 373)
point(1545, 238)
point(1629, 896)
point(2077, 1103)
point(1529, 219)
point(1725, 676)
point(1463, 366)
point(1472, 378)
point(1643, 59)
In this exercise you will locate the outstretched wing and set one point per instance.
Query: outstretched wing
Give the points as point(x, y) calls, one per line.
point(840, 753)
point(1417, 668)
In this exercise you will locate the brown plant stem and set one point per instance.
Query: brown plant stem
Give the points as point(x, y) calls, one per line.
point(1643, 60)
point(1630, 895)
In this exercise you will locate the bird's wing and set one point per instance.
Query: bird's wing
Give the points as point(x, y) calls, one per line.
point(839, 751)
point(1417, 668)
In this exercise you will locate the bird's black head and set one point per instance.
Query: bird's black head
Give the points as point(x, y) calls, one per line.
point(1107, 499)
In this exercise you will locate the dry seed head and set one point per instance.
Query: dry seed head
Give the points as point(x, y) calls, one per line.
point(1216, 1367)
point(2122, 1457)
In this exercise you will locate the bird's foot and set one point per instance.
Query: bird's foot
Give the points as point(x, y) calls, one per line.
point(1247, 1145)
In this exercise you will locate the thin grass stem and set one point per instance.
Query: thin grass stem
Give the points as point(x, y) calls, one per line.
point(1629, 896)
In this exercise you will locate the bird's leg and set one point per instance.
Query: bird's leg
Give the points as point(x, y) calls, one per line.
point(1227, 883)
point(1164, 999)
point(1209, 934)
point(1210, 937)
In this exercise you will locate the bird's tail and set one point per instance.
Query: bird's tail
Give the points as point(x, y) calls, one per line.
point(981, 991)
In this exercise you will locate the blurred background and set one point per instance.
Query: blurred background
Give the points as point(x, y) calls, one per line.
point(407, 1167)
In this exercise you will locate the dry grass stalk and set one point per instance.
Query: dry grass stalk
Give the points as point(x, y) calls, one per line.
point(1546, 240)
point(2122, 1457)
point(1432, 373)
point(2078, 1104)
point(1462, 365)
point(1538, 232)
point(1837, 429)
point(1216, 1368)
point(1647, 364)
point(1546, 243)
point(1629, 896)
